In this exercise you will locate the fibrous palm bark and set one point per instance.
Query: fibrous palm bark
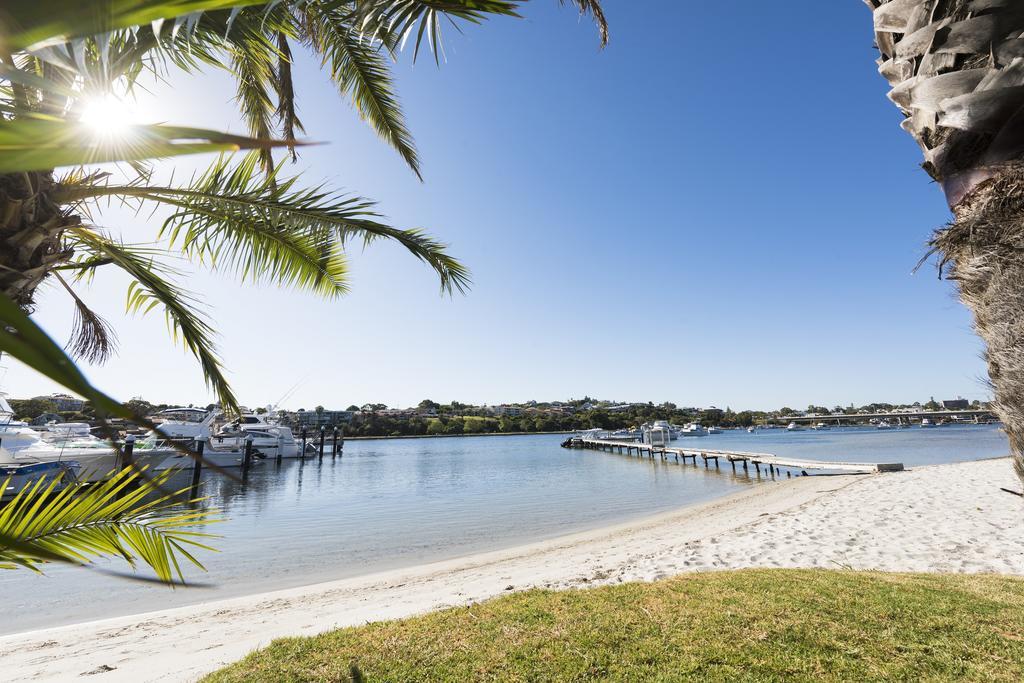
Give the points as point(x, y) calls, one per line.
point(957, 72)
point(31, 225)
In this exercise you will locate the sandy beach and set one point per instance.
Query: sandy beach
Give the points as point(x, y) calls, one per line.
point(944, 518)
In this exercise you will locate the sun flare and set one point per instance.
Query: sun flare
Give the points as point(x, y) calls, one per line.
point(108, 116)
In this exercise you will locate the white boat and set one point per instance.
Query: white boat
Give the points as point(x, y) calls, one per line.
point(882, 424)
point(693, 429)
point(14, 434)
point(97, 460)
point(673, 433)
point(821, 426)
point(57, 431)
point(267, 438)
point(176, 460)
point(794, 427)
point(16, 476)
point(657, 435)
point(926, 423)
point(714, 430)
point(751, 430)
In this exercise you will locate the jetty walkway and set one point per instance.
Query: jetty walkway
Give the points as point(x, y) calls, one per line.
point(772, 463)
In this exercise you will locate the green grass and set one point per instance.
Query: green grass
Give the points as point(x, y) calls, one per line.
point(757, 625)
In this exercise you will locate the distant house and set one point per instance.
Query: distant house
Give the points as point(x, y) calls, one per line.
point(956, 404)
point(505, 409)
point(305, 419)
point(63, 402)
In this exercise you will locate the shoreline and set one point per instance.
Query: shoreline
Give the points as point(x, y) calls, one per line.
point(452, 436)
point(933, 518)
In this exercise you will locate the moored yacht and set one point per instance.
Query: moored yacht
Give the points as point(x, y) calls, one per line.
point(882, 424)
point(693, 429)
point(926, 423)
point(714, 430)
point(794, 427)
point(821, 426)
point(269, 439)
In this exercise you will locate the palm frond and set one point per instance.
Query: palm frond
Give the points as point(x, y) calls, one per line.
point(25, 341)
point(360, 71)
point(151, 288)
point(92, 337)
point(402, 18)
point(265, 228)
point(287, 112)
point(28, 23)
point(126, 516)
point(254, 77)
point(40, 142)
point(592, 7)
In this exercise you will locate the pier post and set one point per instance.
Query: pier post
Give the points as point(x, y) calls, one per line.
point(303, 456)
point(745, 468)
point(334, 443)
point(197, 466)
point(733, 463)
point(705, 457)
point(247, 458)
point(321, 458)
point(125, 460)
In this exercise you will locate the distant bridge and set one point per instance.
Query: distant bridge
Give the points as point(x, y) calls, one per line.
point(971, 413)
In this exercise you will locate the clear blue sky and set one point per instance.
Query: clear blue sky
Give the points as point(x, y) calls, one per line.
point(733, 185)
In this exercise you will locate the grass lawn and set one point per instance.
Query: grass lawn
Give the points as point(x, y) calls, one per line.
point(740, 625)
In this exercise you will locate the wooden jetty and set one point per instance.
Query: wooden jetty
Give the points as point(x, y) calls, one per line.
point(772, 463)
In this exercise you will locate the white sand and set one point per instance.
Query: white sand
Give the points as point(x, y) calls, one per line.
point(950, 518)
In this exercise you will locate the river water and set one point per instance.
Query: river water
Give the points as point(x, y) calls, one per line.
point(402, 502)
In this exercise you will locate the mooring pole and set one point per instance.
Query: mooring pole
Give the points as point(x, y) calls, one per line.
point(247, 458)
point(303, 443)
point(334, 443)
point(197, 466)
point(125, 461)
point(321, 458)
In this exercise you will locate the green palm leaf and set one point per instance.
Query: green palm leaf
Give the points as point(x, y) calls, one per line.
point(265, 228)
point(151, 289)
point(360, 71)
point(27, 342)
point(39, 143)
point(28, 22)
point(126, 516)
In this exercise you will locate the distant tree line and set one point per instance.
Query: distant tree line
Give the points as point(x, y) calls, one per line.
point(371, 424)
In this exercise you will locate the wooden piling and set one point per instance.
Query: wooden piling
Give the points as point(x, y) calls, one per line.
point(247, 458)
point(197, 465)
point(334, 443)
point(321, 458)
point(124, 460)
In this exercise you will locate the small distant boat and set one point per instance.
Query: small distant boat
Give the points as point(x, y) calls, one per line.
point(714, 430)
point(926, 423)
point(794, 427)
point(821, 426)
point(693, 429)
point(751, 430)
point(883, 425)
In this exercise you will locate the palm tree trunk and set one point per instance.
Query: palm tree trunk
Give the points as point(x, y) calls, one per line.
point(31, 224)
point(957, 72)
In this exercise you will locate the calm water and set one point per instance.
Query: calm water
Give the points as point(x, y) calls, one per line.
point(397, 503)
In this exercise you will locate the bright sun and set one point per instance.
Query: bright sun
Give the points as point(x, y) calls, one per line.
point(108, 115)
